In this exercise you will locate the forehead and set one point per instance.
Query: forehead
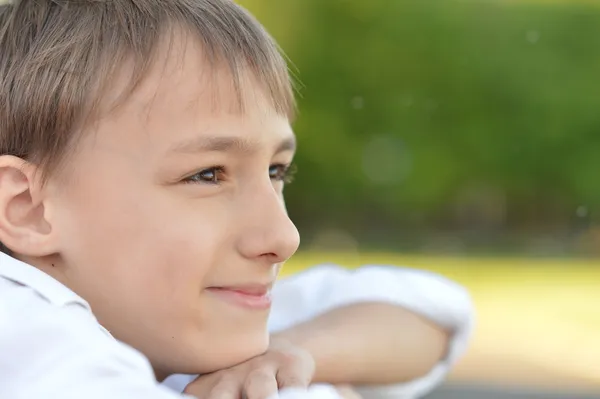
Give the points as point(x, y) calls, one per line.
point(185, 94)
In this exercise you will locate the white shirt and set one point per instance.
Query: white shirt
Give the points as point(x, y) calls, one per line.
point(52, 346)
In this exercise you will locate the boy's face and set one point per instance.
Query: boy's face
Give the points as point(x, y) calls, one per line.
point(171, 217)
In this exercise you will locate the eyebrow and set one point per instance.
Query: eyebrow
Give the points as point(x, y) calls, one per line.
point(228, 144)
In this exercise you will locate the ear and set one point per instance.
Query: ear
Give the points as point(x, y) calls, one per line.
point(23, 225)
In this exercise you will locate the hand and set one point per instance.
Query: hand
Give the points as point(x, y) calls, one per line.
point(282, 366)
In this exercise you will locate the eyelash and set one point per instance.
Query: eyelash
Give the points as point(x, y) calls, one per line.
point(282, 172)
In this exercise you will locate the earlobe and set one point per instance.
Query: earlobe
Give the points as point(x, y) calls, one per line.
point(23, 225)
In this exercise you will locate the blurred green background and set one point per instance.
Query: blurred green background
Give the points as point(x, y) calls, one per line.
point(439, 125)
point(462, 137)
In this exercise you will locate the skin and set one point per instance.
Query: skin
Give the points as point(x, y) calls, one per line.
point(389, 344)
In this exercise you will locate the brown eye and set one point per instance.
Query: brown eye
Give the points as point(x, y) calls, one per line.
point(211, 175)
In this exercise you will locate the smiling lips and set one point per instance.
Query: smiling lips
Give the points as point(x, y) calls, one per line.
point(256, 297)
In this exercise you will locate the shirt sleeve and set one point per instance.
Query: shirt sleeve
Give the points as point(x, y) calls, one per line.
point(60, 352)
point(318, 290)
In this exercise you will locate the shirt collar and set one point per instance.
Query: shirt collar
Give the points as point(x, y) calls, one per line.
point(52, 290)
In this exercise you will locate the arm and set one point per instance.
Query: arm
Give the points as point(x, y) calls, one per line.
point(344, 340)
point(383, 324)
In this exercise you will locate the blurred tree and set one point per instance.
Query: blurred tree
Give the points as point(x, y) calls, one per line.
point(427, 115)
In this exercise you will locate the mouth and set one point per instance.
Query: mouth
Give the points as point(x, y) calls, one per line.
point(254, 297)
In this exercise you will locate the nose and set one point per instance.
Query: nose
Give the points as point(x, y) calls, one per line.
point(268, 232)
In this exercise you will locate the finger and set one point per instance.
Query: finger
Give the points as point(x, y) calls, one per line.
point(201, 386)
point(260, 384)
point(214, 387)
point(295, 375)
point(225, 391)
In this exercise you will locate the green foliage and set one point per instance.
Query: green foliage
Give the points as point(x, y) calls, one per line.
point(493, 98)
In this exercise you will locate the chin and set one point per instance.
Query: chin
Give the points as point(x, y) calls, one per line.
point(207, 355)
point(234, 353)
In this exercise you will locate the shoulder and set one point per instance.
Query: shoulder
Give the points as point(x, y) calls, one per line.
point(23, 305)
point(30, 323)
point(51, 347)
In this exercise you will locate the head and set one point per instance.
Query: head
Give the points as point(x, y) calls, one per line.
point(144, 148)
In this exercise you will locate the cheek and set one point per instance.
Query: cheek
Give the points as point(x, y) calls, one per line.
point(158, 249)
point(140, 241)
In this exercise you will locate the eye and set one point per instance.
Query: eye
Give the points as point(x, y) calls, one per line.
point(212, 175)
point(281, 172)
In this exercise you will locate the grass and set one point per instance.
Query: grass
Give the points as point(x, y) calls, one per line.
point(535, 317)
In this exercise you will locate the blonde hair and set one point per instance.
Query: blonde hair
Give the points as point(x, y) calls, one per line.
point(57, 57)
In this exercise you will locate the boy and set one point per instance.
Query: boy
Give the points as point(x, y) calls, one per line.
point(144, 146)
